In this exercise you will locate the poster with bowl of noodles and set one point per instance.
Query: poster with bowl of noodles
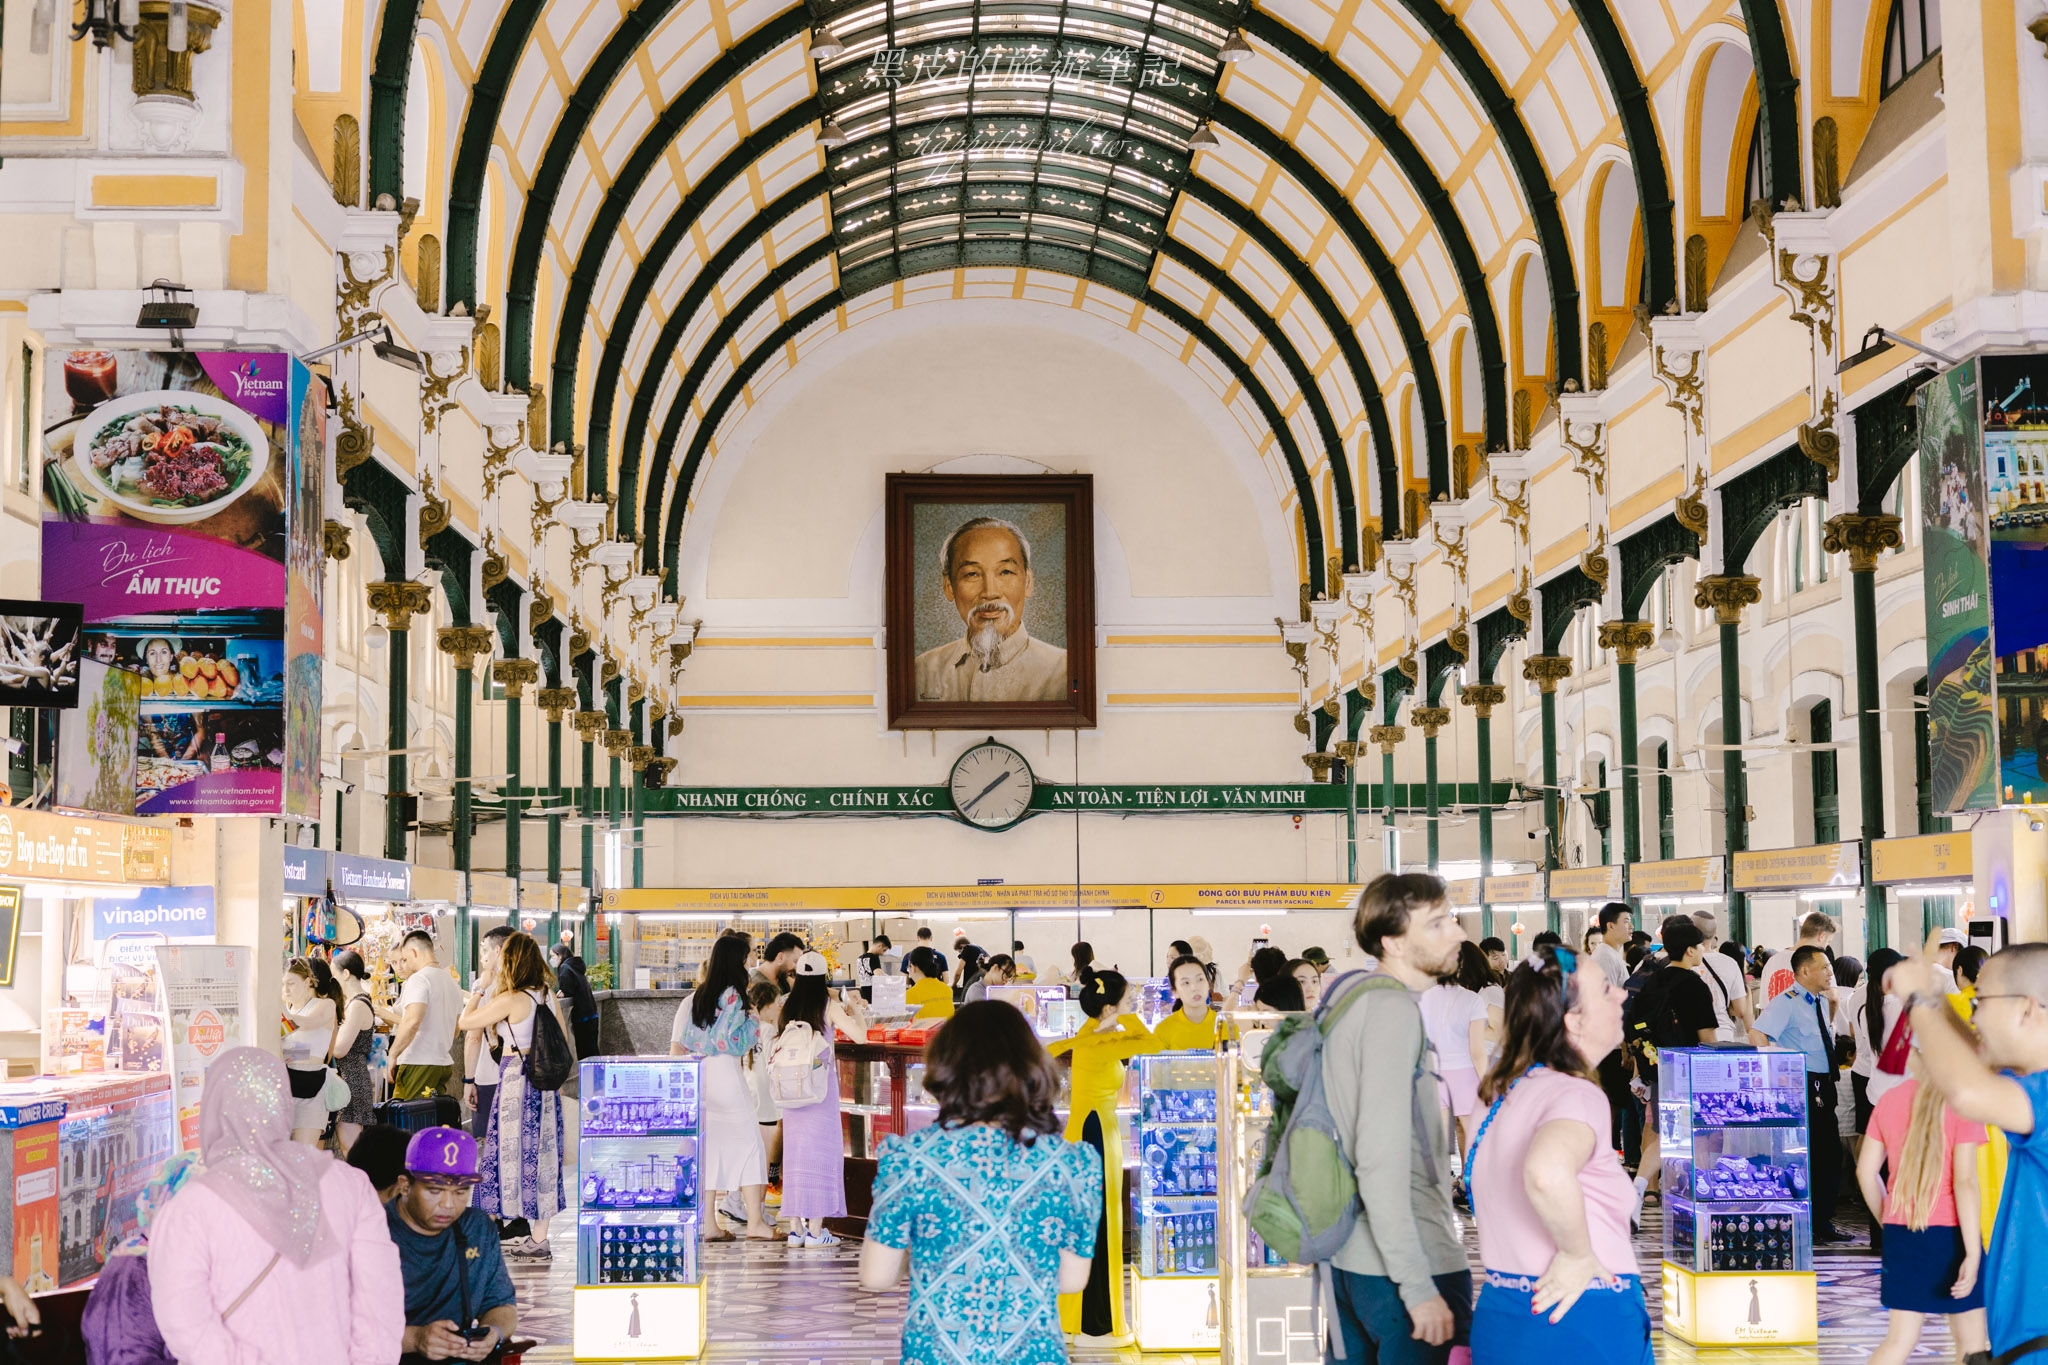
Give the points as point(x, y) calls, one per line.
point(168, 510)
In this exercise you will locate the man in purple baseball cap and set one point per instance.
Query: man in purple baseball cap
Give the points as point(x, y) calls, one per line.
point(458, 1293)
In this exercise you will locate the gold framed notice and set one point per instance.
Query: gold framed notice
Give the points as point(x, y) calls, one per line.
point(990, 601)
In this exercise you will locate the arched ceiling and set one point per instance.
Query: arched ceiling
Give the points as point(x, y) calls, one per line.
point(1327, 222)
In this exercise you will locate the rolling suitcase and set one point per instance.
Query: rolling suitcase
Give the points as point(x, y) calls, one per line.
point(409, 1116)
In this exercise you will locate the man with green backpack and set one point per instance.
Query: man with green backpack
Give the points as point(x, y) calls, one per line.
point(1355, 1181)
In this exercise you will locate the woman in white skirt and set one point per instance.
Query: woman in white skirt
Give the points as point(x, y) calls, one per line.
point(716, 1025)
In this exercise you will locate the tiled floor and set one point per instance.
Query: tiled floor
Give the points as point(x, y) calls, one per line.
point(782, 1307)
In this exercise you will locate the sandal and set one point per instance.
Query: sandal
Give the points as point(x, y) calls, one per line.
point(720, 1236)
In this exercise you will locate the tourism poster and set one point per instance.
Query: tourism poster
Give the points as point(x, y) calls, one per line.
point(305, 572)
point(1962, 738)
point(96, 743)
point(172, 500)
point(2016, 487)
point(207, 1009)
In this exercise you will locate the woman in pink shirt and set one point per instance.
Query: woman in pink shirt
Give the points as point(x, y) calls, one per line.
point(1550, 1196)
point(1932, 1249)
point(278, 1251)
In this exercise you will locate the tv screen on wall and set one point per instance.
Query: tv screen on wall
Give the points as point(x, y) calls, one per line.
point(39, 650)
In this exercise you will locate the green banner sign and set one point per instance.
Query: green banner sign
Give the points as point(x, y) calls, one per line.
point(1284, 798)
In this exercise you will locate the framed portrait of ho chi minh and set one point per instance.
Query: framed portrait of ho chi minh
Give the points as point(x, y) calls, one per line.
point(990, 585)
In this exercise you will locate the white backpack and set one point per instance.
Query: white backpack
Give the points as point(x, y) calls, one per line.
point(796, 1072)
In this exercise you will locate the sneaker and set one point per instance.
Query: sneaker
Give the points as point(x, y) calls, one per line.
point(797, 1239)
point(774, 1194)
point(733, 1207)
point(527, 1249)
point(822, 1239)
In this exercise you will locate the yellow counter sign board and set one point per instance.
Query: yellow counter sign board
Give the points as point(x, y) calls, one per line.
point(1923, 858)
point(1464, 895)
point(1525, 888)
point(908, 900)
point(1742, 1308)
point(1586, 883)
point(1677, 877)
point(1798, 869)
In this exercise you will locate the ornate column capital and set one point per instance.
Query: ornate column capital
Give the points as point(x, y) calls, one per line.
point(334, 539)
point(1350, 750)
point(590, 724)
point(618, 742)
point(656, 771)
point(400, 601)
point(1483, 697)
point(464, 643)
point(1319, 764)
point(1727, 595)
point(639, 756)
point(1431, 719)
point(1864, 537)
point(555, 701)
point(1625, 638)
point(1387, 736)
point(1546, 670)
point(515, 675)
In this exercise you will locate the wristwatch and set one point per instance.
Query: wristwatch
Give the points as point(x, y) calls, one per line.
point(1931, 999)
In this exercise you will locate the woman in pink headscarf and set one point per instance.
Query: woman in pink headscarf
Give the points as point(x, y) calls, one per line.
point(278, 1251)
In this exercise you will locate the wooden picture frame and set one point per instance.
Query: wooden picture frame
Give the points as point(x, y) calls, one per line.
point(1005, 638)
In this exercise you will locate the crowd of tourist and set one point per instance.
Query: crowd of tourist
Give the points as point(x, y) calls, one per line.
point(1532, 1093)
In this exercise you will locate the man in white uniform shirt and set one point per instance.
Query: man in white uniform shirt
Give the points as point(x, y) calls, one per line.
point(429, 1003)
point(1617, 922)
point(1733, 1014)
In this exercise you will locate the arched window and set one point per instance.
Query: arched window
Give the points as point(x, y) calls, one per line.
point(1827, 809)
point(1667, 804)
point(1912, 34)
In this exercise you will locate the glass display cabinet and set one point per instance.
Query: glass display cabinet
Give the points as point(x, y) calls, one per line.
point(1738, 1227)
point(639, 1287)
point(1271, 1312)
point(1174, 1300)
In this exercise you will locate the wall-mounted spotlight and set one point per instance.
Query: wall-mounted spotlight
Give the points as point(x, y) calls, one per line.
point(165, 311)
point(1877, 341)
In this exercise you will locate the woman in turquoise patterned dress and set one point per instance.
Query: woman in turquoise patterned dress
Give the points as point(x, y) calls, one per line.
point(994, 1213)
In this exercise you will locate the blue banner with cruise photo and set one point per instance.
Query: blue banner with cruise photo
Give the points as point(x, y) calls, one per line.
point(2015, 397)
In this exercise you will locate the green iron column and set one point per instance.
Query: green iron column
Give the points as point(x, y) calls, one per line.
point(1482, 698)
point(1865, 537)
point(589, 725)
point(1727, 595)
point(1387, 737)
point(399, 601)
point(637, 756)
point(554, 703)
point(515, 676)
point(464, 644)
point(1431, 719)
point(1547, 671)
point(1626, 639)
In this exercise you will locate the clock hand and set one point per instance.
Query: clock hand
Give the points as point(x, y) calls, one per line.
point(968, 808)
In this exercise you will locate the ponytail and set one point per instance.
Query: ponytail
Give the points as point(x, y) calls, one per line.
point(1100, 989)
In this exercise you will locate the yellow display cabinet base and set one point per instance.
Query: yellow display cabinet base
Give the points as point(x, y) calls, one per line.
point(638, 1322)
point(1742, 1307)
point(1177, 1313)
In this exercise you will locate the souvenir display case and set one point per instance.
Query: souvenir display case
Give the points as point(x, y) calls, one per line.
point(1738, 1228)
point(1151, 998)
point(1174, 1303)
point(1051, 1013)
point(1270, 1313)
point(639, 1287)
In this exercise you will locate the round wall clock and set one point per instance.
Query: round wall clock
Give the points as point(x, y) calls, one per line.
point(991, 786)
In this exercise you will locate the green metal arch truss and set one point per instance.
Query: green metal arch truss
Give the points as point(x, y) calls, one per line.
point(1527, 163)
point(1283, 346)
point(390, 69)
point(1386, 277)
point(1436, 201)
point(648, 154)
point(1645, 151)
point(1777, 101)
point(473, 149)
point(1646, 554)
point(1260, 231)
point(1498, 629)
point(810, 314)
point(604, 394)
point(611, 59)
point(1753, 497)
point(1562, 597)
